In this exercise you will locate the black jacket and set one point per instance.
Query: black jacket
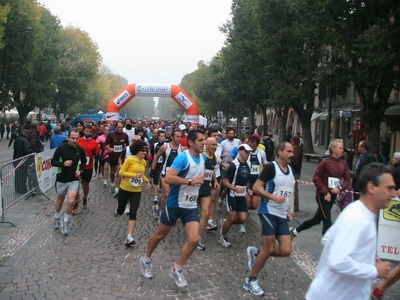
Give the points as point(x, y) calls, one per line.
point(22, 147)
point(367, 158)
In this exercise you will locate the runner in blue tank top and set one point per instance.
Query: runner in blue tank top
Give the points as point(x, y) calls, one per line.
point(185, 176)
point(275, 186)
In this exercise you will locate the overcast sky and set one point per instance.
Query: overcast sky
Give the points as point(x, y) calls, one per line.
point(149, 41)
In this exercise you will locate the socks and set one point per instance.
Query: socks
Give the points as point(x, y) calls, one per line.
point(295, 231)
point(252, 278)
point(177, 268)
point(57, 215)
point(66, 218)
point(210, 221)
point(147, 259)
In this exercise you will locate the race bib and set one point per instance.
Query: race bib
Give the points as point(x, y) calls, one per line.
point(285, 192)
point(118, 148)
point(241, 194)
point(333, 182)
point(255, 170)
point(208, 175)
point(190, 198)
point(87, 160)
point(136, 182)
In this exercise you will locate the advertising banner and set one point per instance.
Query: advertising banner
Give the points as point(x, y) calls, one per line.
point(46, 174)
point(153, 90)
point(389, 231)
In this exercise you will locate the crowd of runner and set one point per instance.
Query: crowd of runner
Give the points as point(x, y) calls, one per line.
point(190, 169)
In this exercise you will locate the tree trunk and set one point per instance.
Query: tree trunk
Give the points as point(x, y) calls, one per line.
point(264, 117)
point(308, 146)
point(374, 138)
point(282, 114)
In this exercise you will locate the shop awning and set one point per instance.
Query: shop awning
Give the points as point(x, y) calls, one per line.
point(393, 111)
point(317, 115)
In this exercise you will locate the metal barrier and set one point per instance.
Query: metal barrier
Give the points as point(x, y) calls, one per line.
point(19, 180)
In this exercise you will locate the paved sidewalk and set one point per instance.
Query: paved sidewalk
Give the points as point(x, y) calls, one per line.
point(38, 262)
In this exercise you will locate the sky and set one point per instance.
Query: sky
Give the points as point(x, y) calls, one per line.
point(148, 41)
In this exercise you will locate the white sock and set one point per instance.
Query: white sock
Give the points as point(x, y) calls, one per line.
point(210, 221)
point(57, 215)
point(66, 218)
point(157, 207)
point(295, 231)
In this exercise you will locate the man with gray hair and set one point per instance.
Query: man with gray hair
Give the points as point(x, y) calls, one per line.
point(331, 176)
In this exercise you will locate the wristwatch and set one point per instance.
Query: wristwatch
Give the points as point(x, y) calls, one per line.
point(190, 182)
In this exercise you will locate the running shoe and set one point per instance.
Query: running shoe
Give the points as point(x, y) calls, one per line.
point(292, 234)
point(253, 287)
point(224, 241)
point(251, 256)
point(200, 245)
point(85, 205)
point(127, 209)
point(178, 277)
point(105, 183)
point(65, 228)
point(155, 200)
point(75, 209)
point(211, 226)
point(130, 240)
point(115, 213)
point(116, 191)
point(57, 223)
point(146, 268)
point(243, 228)
point(112, 186)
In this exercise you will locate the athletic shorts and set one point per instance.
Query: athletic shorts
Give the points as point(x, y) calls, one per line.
point(273, 225)
point(170, 215)
point(64, 187)
point(86, 175)
point(113, 162)
point(104, 161)
point(156, 177)
point(204, 194)
point(236, 204)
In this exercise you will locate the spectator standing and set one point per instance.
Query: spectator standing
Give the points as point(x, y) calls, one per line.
point(14, 132)
point(364, 159)
point(22, 147)
point(269, 147)
point(34, 137)
point(57, 138)
point(2, 129)
point(8, 129)
point(296, 164)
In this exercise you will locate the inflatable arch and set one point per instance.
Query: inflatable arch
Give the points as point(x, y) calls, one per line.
point(153, 90)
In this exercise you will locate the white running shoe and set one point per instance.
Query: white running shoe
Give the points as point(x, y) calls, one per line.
point(127, 209)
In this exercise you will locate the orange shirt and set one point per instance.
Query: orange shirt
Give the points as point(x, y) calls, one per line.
point(90, 147)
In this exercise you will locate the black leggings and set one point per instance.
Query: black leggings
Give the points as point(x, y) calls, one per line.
point(123, 197)
point(323, 214)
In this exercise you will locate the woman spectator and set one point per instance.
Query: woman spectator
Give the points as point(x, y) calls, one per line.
point(131, 186)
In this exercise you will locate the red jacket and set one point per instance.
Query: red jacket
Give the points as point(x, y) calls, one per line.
point(331, 167)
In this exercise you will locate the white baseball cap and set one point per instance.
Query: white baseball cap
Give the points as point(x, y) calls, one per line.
point(182, 127)
point(245, 147)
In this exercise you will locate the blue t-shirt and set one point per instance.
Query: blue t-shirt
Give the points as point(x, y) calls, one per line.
point(182, 165)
